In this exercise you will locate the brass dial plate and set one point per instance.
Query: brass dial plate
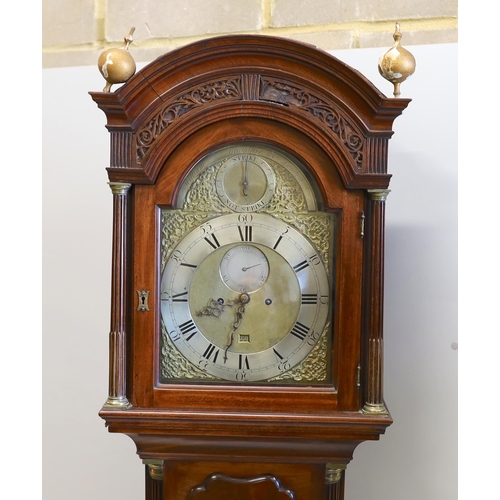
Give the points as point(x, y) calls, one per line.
point(281, 323)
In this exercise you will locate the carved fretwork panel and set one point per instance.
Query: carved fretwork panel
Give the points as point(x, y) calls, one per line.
point(253, 87)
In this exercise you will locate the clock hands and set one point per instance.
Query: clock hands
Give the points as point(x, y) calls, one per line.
point(215, 308)
point(243, 299)
point(250, 267)
point(245, 178)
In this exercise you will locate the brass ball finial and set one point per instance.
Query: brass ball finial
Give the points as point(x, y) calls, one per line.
point(117, 65)
point(397, 64)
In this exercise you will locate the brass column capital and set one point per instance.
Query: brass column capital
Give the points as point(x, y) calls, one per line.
point(120, 188)
point(334, 473)
point(155, 468)
point(378, 194)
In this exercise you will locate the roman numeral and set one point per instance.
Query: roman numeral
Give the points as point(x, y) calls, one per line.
point(187, 329)
point(300, 266)
point(309, 298)
point(244, 362)
point(247, 234)
point(300, 330)
point(185, 264)
point(277, 243)
point(278, 355)
point(211, 350)
point(180, 297)
point(213, 243)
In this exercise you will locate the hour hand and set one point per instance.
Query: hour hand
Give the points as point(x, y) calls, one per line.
point(245, 178)
point(215, 308)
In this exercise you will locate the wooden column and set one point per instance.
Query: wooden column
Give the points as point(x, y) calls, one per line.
point(154, 479)
point(117, 395)
point(374, 404)
point(334, 481)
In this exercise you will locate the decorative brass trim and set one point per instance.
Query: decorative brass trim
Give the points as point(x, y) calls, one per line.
point(375, 409)
point(143, 296)
point(120, 188)
point(334, 473)
point(397, 64)
point(117, 65)
point(116, 403)
point(378, 194)
point(155, 468)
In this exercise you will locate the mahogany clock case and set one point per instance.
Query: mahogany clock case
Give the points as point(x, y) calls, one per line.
point(166, 118)
point(419, 269)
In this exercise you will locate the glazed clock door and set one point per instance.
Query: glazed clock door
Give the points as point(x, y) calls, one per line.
point(245, 291)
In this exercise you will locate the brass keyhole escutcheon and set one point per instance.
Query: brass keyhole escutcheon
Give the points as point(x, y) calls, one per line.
point(143, 305)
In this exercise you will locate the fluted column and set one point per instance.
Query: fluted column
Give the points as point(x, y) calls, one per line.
point(374, 404)
point(334, 481)
point(117, 396)
point(154, 479)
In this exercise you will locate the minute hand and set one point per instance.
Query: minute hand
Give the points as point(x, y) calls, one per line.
point(243, 299)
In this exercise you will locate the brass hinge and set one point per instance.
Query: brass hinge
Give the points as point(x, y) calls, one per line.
point(358, 376)
point(362, 224)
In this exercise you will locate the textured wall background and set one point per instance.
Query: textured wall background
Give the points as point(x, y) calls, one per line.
point(75, 32)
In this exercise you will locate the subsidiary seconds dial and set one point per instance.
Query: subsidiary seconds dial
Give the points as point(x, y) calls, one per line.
point(244, 268)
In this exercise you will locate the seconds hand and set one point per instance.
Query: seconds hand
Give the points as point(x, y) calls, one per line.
point(250, 267)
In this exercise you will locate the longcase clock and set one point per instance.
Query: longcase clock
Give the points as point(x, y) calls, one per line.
point(249, 179)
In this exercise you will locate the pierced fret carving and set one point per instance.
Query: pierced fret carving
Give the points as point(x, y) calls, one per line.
point(280, 92)
point(252, 87)
point(194, 98)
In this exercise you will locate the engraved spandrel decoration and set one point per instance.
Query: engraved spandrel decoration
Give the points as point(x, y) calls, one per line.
point(174, 366)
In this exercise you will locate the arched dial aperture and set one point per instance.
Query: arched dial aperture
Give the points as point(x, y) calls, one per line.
point(238, 326)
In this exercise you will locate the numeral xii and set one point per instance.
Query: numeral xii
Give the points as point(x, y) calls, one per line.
point(245, 233)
